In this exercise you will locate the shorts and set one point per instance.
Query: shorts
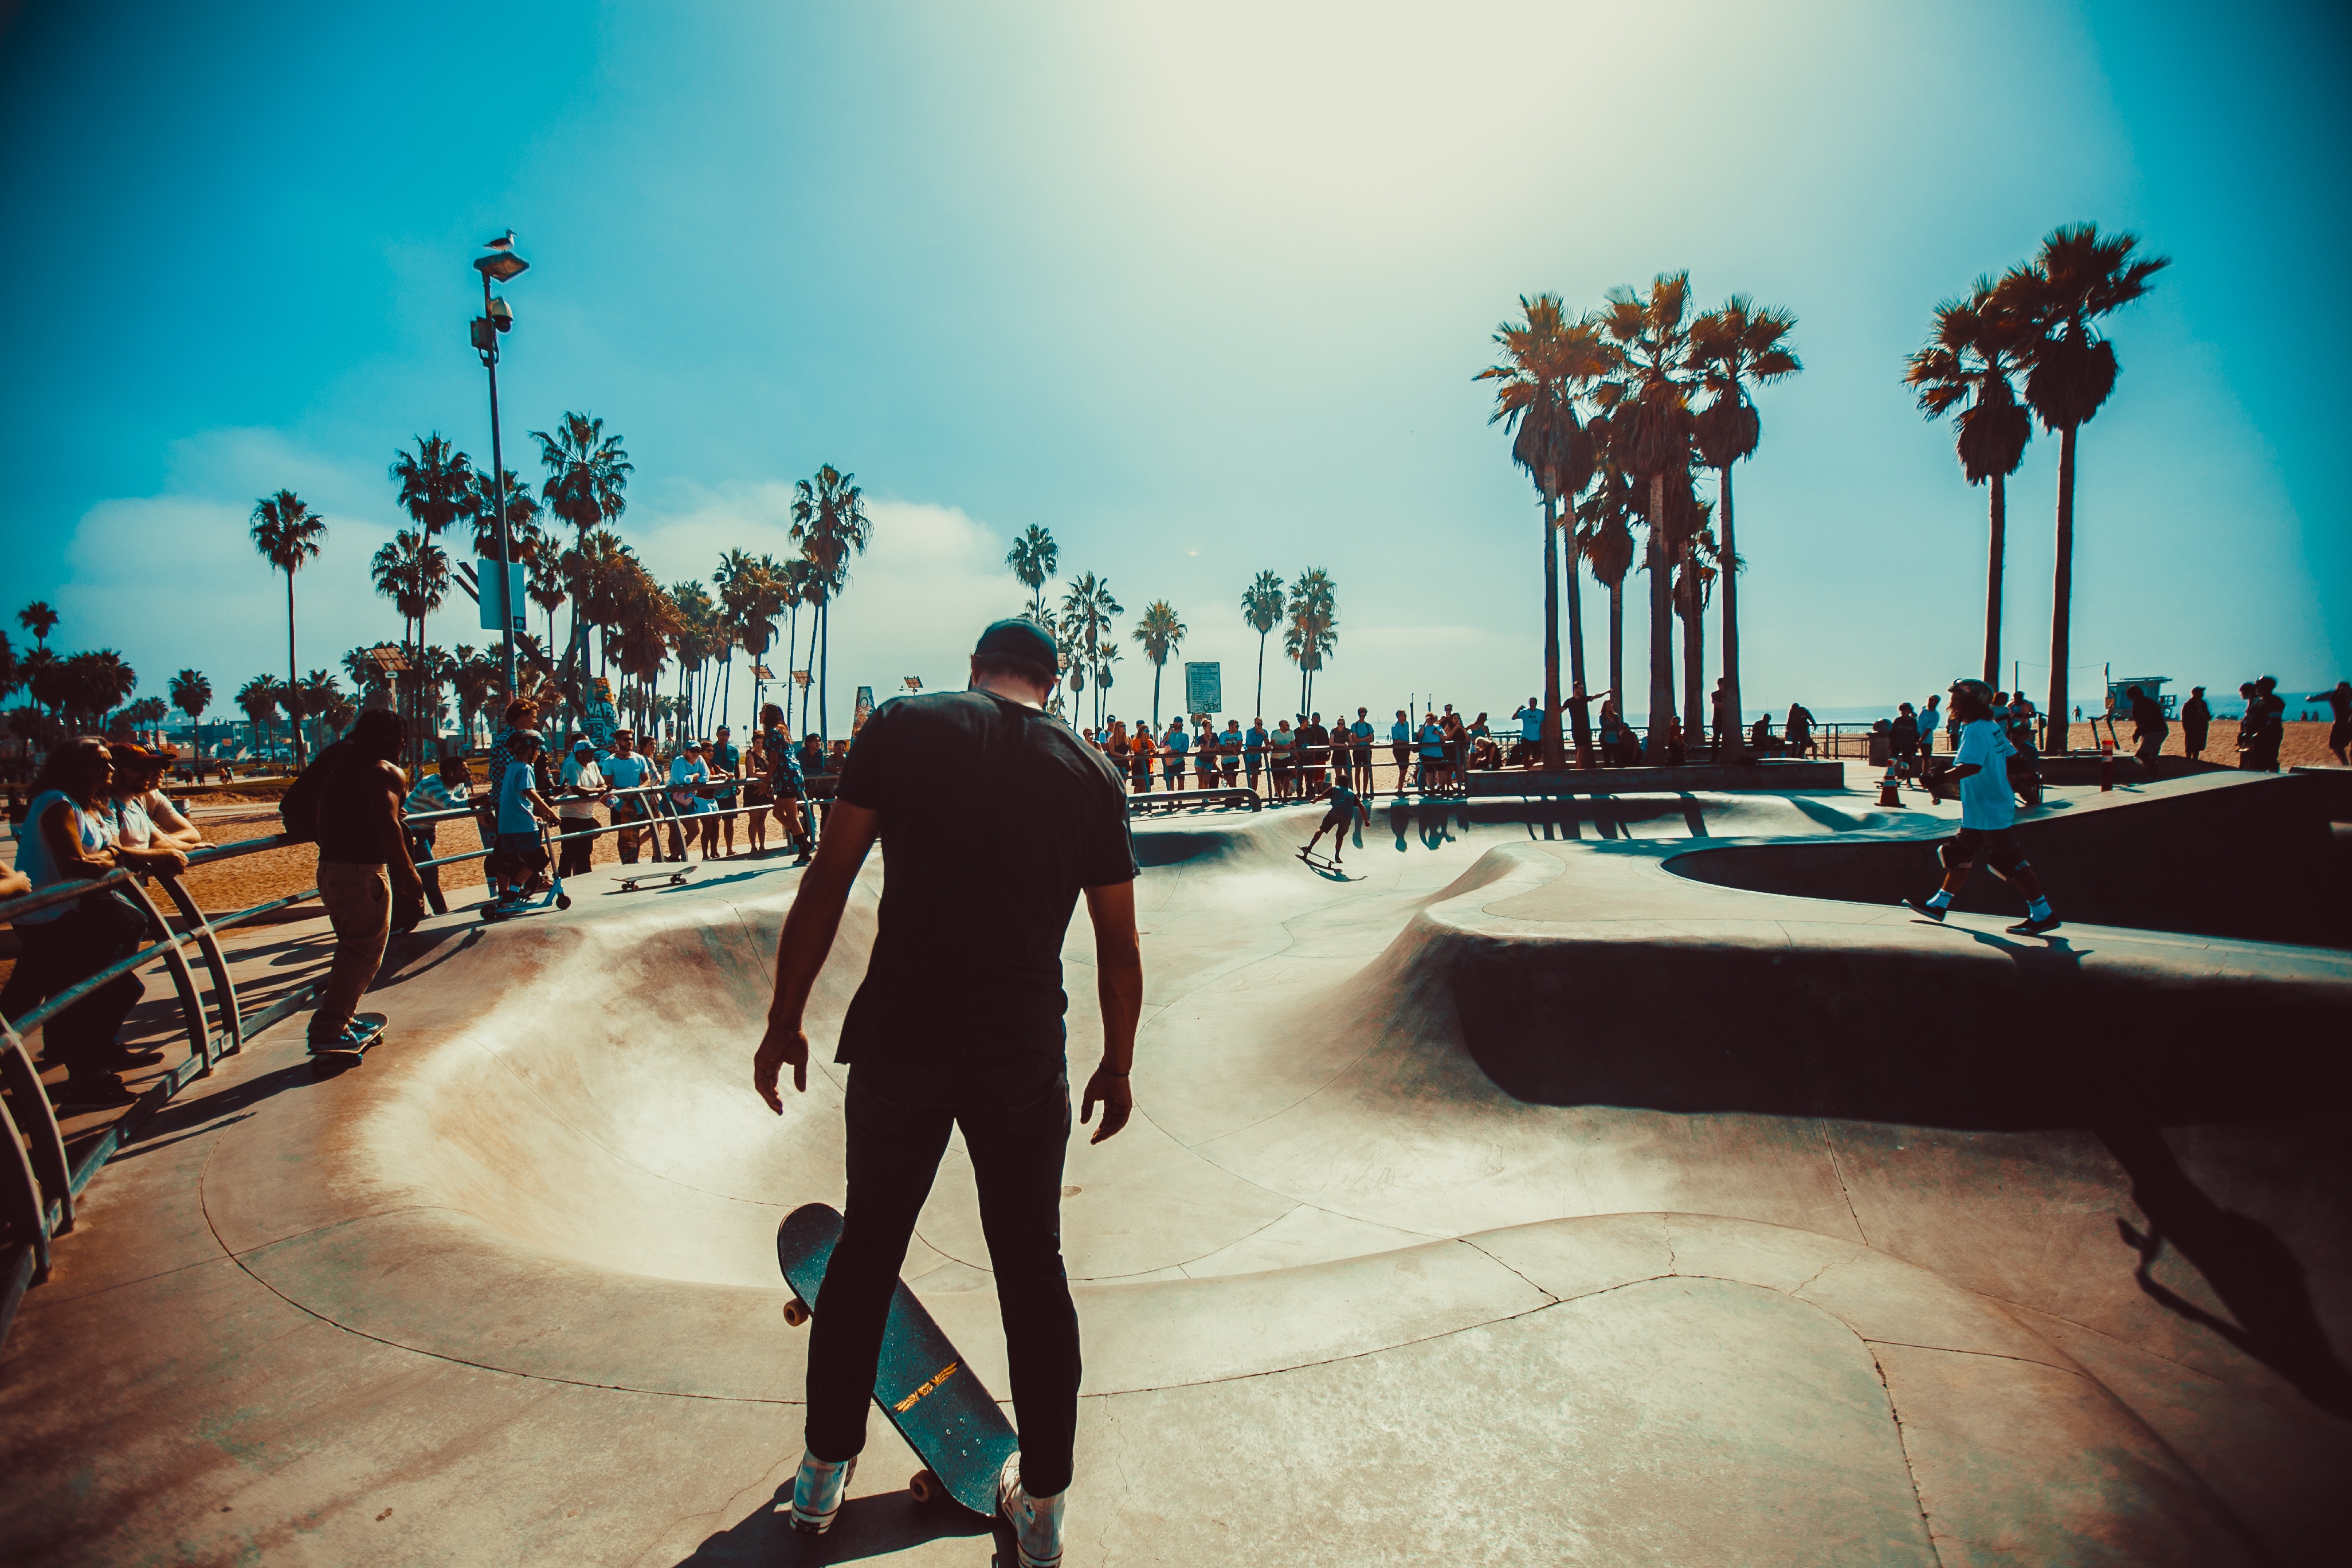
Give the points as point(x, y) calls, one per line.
point(1994, 846)
point(522, 850)
point(1339, 821)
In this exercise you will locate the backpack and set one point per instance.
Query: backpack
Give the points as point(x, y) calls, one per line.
point(297, 808)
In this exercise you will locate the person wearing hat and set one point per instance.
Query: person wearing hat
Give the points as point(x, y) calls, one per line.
point(521, 808)
point(584, 786)
point(1988, 808)
point(629, 769)
point(687, 772)
point(959, 1024)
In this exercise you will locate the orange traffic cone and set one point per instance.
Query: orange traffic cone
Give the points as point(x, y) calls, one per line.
point(1890, 788)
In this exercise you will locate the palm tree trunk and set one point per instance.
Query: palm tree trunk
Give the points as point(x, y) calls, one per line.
point(294, 739)
point(2060, 737)
point(1617, 642)
point(1662, 618)
point(1579, 721)
point(824, 632)
point(1261, 676)
point(1727, 583)
point(1992, 578)
point(1551, 753)
point(1694, 670)
point(1156, 666)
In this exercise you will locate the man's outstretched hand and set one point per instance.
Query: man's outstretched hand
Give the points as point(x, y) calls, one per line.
point(778, 1045)
point(1117, 1103)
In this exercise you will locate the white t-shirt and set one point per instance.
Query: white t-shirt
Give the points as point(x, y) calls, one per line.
point(587, 778)
point(1986, 799)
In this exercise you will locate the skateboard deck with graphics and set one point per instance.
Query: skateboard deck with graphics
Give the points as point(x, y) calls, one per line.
point(922, 1382)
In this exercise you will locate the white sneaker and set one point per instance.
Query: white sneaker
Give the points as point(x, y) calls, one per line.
point(1036, 1520)
point(817, 1492)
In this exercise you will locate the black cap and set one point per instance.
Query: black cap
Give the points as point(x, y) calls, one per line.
point(1020, 637)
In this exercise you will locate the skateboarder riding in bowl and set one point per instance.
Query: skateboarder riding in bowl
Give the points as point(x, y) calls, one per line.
point(1341, 817)
point(959, 1024)
point(1988, 808)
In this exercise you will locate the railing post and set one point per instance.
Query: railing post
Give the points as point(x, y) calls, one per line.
point(225, 1004)
point(47, 1158)
point(191, 1007)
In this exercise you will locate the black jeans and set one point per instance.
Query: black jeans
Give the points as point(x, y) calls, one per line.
point(1015, 1116)
point(420, 850)
point(62, 954)
point(575, 853)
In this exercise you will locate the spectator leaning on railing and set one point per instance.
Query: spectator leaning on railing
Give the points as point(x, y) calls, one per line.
point(584, 786)
point(67, 837)
point(448, 789)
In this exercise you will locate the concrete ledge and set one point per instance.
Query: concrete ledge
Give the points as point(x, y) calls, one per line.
point(1713, 776)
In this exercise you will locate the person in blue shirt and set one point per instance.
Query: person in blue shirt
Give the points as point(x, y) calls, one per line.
point(689, 775)
point(1254, 749)
point(1433, 754)
point(1173, 748)
point(1988, 810)
point(727, 764)
point(1401, 747)
point(1529, 753)
point(1360, 734)
point(626, 769)
point(1343, 811)
point(1229, 753)
point(521, 808)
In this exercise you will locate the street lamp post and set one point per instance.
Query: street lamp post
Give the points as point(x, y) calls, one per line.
point(501, 265)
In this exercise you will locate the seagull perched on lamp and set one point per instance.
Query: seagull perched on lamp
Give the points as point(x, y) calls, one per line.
point(504, 242)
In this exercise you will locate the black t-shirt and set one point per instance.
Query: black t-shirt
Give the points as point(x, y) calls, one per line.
point(359, 808)
point(980, 875)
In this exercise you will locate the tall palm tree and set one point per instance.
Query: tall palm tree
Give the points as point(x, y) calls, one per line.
point(1313, 630)
point(1605, 520)
point(95, 684)
point(287, 533)
point(38, 619)
point(543, 579)
point(1034, 558)
point(413, 573)
point(1968, 365)
point(258, 697)
point(192, 694)
point(436, 488)
point(1159, 632)
point(1694, 579)
point(481, 506)
point(2057, 300)
point(1549, 363)
point(830, 525)
point(587, 477)
point(1738, 346)
point(1087, 611)
point(1648, 402)
point(1262, 605)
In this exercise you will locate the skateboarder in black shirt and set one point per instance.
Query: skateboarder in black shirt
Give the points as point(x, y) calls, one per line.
point(959, 1024)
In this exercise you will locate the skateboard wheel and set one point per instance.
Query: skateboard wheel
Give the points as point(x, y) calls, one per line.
point(923, 1484)
point(562, 901)
point(796, 1312)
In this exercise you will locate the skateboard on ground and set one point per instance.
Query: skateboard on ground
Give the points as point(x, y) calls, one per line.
point(326, 1060)
point(1325, 864)
point(922, 1383)
point(629, 884)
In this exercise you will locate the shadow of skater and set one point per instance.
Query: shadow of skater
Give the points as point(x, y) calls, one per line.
point(873, 1526)
point(2257, 1278)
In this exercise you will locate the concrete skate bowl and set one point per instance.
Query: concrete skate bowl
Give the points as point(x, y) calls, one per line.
point(1346, 1265)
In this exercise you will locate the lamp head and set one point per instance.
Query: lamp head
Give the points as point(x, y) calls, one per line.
point(501, 266)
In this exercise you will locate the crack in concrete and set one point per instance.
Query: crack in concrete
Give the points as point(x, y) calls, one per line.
point(1903, 1445)
point(1521, 1277)
point(1838, 1171)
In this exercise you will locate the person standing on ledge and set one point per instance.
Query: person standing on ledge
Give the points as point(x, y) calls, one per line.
point(959, 1024)
point(1987, 811)
point(2196, 718)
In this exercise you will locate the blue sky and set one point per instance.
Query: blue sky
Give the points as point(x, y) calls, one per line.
point(1200, 288)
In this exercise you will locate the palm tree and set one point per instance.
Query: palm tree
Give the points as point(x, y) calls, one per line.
point(544, 580)
point(1648, 403)
point(1087, 611)
point(1313, 631)
point(1159, 632)
point(2056, 300)
point(1968, 365)
point(830, 525)
point(1695, 579)
point(1605, 539)
point(481, 504)
point(1034, 557)
point(413, 573)
point(1737, 345)
point(1549, 362)
point(145, 717)
point(192, 694)
point(752, 595)
point(38, 619)
point(436, 489)
point(98, 681)
point(587, 474)
point(258, 697)
point(475, 679)
point(287, 533)
point(1262, 606)
point(322, 699)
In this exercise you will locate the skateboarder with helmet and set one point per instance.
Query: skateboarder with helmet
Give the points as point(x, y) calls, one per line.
point(959, 1024)
point(1988, 809)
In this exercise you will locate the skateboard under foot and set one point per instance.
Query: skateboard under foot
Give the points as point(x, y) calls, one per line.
point(922, 1383)
point(328, 1060)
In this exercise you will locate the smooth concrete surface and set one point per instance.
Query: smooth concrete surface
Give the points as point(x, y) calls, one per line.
point(1469, 1212)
